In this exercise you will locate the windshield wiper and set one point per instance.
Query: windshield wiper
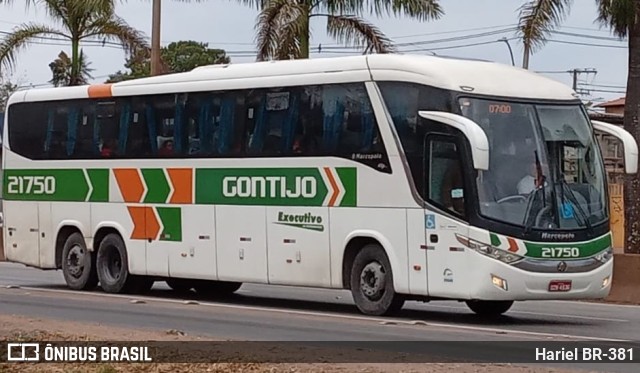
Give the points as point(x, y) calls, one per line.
point(539, 186)
point(572, 198)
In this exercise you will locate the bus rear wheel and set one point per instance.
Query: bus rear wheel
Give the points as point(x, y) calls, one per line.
point(113, 268)
point(489, 308)
point(372, 283)
point(78, 264)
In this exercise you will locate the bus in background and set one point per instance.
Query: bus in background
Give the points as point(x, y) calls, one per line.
point(398, 177)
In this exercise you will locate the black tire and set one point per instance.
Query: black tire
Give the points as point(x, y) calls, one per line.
point(113, 267)
point(216, 288)
point(78, 264)
point(180, 285)
point(372, 283)
point(489, 308)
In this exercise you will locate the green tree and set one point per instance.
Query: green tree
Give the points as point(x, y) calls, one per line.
point(283, 30)
point(61, 70)
point(539, 17)
point(177, 57)
point(78, 20)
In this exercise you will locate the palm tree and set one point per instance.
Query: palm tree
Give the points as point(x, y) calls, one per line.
point(283, 29)
point(78, 20)
point(537, 19)
point(622, 17)
point(61, 70)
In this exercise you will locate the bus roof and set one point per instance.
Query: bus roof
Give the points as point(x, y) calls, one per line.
point(464, 75)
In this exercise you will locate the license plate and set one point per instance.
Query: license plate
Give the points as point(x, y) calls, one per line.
point(560, 285)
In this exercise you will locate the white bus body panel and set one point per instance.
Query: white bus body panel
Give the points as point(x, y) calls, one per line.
point(195, 256)
point(417, 265)
point(46, 236)
point(242, 243)
point(21, 240)
point(298, 254)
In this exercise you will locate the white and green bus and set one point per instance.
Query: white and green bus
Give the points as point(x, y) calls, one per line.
point(397, 177)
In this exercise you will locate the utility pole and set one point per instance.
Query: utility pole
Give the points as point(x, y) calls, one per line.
point(513, 62)
point(155, 38)
point(575, 73)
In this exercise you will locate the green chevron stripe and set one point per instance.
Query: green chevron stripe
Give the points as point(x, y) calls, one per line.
point(349, 179)
point(99, 179)
point(171, 218)
point(158, 188)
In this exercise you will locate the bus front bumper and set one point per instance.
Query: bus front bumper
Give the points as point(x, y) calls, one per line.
point(495, 280)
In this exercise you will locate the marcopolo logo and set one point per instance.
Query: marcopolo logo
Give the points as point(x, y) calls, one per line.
point(304, 221)
point(327, 186)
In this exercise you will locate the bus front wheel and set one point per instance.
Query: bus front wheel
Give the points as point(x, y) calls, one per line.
point(372, 283)
point(78, 264)
point(489, 308)
point(113, 268)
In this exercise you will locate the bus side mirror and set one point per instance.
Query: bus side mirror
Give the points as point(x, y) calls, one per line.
point(630, 147)
point(471, 130)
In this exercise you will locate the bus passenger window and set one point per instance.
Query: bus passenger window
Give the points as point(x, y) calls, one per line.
point(445, 176)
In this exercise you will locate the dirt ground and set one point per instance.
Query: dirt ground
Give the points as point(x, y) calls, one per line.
point(19, 328)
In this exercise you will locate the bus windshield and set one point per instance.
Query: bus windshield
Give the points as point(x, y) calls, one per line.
point(545, 170)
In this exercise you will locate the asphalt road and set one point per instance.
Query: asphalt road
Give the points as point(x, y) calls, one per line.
point(275, 313)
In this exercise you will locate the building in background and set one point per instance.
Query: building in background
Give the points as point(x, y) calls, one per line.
point(611, 112)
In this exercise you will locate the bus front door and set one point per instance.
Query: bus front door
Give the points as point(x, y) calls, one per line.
point(444, 216)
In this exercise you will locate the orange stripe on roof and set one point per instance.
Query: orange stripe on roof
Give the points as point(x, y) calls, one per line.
point(100, 91)
point(182, 181)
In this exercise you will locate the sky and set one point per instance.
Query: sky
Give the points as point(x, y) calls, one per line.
point(229, 25)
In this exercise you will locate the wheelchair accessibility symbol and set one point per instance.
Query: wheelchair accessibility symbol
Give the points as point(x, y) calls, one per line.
point(430, 221)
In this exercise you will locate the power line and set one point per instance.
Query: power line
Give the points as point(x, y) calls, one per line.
point(454, 31)
point(454, 46)
point(588, 44)
point(604, 85)
point(588, 36)
point(605, 91)
point(434, 41)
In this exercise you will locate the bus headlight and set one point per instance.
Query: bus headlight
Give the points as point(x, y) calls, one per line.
point(488, 250)
point(604, 255)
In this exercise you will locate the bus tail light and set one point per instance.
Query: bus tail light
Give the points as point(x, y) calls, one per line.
point(488, 250)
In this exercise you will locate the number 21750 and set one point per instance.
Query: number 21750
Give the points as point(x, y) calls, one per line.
point(560, 252)
point(31, 185)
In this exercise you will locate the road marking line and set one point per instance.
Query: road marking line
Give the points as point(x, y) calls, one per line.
point(540, 314)
point(596, 304)
point(331, 315)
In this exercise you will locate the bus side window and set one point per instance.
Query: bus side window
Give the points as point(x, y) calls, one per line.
point(138, 140)
point(84, 137)
point(107, 127)
point(445, 175)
